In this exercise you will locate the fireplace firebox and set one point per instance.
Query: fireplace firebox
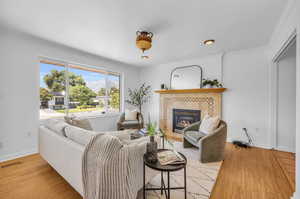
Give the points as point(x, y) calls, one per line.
point(183, 118)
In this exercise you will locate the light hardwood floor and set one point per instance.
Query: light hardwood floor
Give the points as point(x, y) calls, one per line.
point(245, 174)
point(287, 162)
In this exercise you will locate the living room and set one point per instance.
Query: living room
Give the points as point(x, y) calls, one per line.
point(176, 50)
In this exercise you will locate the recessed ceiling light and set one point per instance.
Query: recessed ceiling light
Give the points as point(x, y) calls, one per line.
point(209, 42)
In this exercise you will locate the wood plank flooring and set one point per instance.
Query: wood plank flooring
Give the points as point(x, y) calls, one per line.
point(287, 162)
point(245, 174)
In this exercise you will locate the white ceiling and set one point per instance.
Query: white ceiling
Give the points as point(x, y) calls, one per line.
point(107, 27)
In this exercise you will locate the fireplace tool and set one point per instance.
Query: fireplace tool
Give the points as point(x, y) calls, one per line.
point(243, 144)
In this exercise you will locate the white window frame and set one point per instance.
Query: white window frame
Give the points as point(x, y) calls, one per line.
point(68, 64)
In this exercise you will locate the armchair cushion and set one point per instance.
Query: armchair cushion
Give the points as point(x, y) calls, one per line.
point(130, 115)
point(130, 122)
point(137, 123)
point(194, 135)
point(209, 124)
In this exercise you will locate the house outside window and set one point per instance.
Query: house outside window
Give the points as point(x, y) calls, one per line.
point(72, 89)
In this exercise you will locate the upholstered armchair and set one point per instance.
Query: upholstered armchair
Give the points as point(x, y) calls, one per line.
point(211, 146)
point(130, 124)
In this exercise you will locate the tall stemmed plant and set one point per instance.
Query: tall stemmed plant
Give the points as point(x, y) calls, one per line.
point(139, 96)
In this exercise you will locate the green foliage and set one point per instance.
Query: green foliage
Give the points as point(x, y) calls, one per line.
point(115, 98)
point(139, 96)
point(214, 82)
point(102, 92)
point(56, 81)
point(82, 94)
point(45, 95)
point(151, 128)
point(85, 106)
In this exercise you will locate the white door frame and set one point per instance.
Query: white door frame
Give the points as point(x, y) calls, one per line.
point(274, 88)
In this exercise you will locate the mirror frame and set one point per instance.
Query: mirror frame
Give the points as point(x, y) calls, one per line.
point(189, 66)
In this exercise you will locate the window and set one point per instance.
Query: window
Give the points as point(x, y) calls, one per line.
point(69, 89)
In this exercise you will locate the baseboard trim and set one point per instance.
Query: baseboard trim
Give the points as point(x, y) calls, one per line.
point(18, 155)
point(285, 149)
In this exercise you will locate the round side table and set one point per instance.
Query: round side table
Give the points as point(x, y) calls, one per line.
point(164, 168)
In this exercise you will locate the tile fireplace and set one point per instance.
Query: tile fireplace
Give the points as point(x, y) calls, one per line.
point(187, 103)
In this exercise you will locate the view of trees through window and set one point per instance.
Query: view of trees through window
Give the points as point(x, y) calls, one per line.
point(76, 90)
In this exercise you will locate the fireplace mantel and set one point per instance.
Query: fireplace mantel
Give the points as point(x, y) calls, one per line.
point(196, 90)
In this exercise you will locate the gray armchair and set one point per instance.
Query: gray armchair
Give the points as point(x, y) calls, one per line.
point(211, 146)
point(130, 124)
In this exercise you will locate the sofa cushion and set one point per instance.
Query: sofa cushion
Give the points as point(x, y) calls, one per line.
point(57, 126)
point(194, 136)
point(83, 123)
point(79, 135)
point(131, 115)
point(209, 124)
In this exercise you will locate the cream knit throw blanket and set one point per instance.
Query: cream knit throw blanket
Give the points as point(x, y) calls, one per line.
point(112, 170)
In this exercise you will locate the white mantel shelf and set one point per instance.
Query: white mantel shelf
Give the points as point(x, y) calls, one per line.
point(196, 90)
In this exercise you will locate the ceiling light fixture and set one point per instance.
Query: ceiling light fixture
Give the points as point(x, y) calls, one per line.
point(144, 41)
point(209, 42)
point(145, 57)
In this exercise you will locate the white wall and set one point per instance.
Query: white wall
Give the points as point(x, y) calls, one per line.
point(19, 86)
point(157, 75)
point(245, 103)
point(286, 127)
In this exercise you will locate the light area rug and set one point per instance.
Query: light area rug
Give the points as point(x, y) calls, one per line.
point(201, 178)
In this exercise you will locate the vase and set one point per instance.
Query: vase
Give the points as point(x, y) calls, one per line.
point(207, 86)
point(152, 150)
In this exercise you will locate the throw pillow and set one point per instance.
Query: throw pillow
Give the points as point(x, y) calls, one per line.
point(56, 125)
point(81, 123)
point(130, 115)
point(209, 124)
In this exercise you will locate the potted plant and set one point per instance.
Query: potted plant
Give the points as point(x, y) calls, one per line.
point(207, 83)
point(152, 145)
point(139, 96)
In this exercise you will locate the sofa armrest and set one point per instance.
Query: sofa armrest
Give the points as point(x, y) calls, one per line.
point(137, 149)
point(192, 127)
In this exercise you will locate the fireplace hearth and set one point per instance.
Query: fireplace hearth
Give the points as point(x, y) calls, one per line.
point(183, 118)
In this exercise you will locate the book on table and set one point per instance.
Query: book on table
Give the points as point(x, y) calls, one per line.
point(143, 132)
point(170, 157)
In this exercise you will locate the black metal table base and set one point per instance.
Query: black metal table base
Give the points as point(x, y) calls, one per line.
point(163, 187)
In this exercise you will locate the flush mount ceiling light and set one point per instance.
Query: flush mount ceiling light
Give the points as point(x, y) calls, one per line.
point(144, 41)
point(209, 42)
point(145, 57)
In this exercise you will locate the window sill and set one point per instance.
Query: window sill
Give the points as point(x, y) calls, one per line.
point(88, 116)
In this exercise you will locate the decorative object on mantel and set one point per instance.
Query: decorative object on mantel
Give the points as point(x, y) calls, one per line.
point(163, 86)
point(186, 77)
point(152, 145)
point(144, 41)
point(207, 83)
point(139, 96)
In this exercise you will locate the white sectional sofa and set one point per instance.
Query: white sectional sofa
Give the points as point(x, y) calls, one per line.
point(65, 155)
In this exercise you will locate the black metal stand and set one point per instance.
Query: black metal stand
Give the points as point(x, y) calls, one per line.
point(163, 187)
